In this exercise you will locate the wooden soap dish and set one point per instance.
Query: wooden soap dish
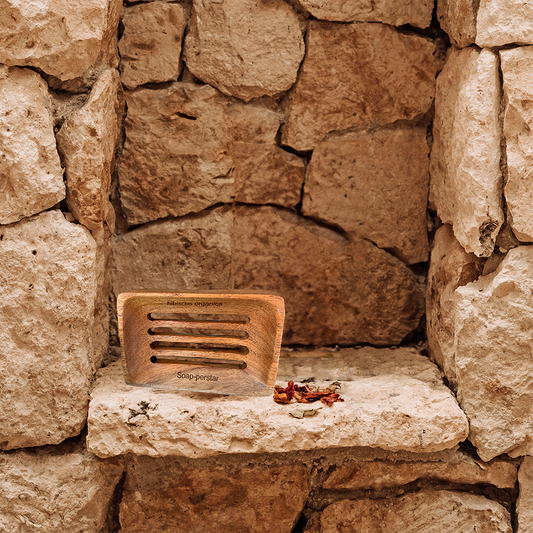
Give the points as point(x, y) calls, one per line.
point(205, 341)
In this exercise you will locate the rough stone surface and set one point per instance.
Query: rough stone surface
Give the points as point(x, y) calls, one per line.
point(502, 22)
point(87, 142)
point(335, 291)
point(266, 174)
point(417, 13)
point(177, 157)
point(59, 37)
point(458, 19)
point(48, 291)
point(150, 47)
point(100, 335)
point(524, 504)
point(193, 253)
point(329, 297)
point(465, 470)
point(450, 267)
point(493, 338)
point(466, 181)
point(31, 178)
point(517, 69)
point(386, 406)
point(427, 511)
point(358, 75)
point(244, 48)
point(56, 489)
point(376, 185)
point(164, 495)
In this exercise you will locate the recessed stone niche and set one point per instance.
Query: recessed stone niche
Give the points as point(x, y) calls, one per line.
point(284, 145)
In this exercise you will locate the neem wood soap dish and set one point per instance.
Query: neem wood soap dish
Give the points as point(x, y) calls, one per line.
point(205, 341)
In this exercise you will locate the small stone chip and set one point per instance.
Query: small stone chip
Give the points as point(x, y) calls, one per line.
point(304, 413)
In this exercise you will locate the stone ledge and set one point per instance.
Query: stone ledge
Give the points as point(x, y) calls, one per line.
point(394, 400)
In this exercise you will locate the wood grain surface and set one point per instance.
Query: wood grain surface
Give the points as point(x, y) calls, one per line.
point(205, 341)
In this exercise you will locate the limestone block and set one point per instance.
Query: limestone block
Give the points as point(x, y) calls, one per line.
point(465, 470)
point(164, 495)
point(458, 19)
point(87, 142)
point(493, 339)
point(193, 252)
point(150, 47)
point(335, 291)
point(375, 185)
point(48, 291)
point(450, 267)
point(329, 297)
point(524, 504)
point(466, 181)
point(177, 155)
point(517, 68)
point(100, 335)
point(417, 13)
point(31, 178)
point(355, 76)
point(266, 174)
point(502, 22)
point(244, 48)
point(59, 37)
point(391, 407)
point(56, 489)
point(428, 511)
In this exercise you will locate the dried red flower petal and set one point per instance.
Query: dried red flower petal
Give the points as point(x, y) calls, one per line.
point(304, 394)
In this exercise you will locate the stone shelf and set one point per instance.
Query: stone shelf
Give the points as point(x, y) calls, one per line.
point(394, 400)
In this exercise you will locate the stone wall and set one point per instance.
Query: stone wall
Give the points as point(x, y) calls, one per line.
point(369, 161)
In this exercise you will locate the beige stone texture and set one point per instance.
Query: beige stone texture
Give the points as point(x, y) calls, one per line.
point(336, 291)
point(428, 511)
point(48, 290)
point(164, 495)
point(190, 253)
point(150, 47)
point(524, 504)
point(464, 470)
point(329, 297)
point(100, 335)
point(177, 156)
point(450, 267)
point(266, 174)
point(414, 12)
point(493, 338)
point(59, 37)
point(355, 76)
point(244, 48)
point(458, 19)
point(501, 22)
point(31, 178)
point(517, 69)
point(52, 490)
point(386, 405)
point(375, 185)
point(466, 181)
point(87, 142)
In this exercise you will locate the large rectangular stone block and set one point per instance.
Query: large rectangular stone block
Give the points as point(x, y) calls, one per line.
point(393, 399)
point(48, 289)
point(54, 490)
point(166, 495)
point(357, 76)
point(517, 69)
point(31, 177)
point(466, 180)
point(59, 37)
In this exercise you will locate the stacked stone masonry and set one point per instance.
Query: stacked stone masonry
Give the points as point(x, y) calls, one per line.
point(370, 161)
